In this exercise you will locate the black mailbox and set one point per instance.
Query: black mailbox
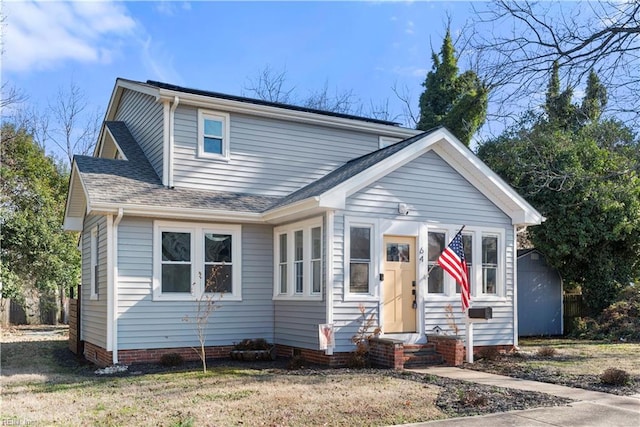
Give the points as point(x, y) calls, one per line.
point(480, 313)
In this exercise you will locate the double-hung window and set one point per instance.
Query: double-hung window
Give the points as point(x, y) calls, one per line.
point(489, 264)
point(360, 259)
point(437, 243)
point(298, 260)
point(485, 264)
point(193, 259)
point(213, 134)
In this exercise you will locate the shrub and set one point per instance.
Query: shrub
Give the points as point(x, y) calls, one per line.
point(617, 377)
point(488, 353)
point(255, 344)
point(171, 359)
point(546, 351)
point(296, 362)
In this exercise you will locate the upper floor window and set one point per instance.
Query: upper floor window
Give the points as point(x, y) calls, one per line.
point(298, 260)
point(213, 134)
point(191, 259)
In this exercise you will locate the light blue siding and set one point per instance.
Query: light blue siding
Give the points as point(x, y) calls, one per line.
point(297, 322)
point(269, 157)
point(94, 312)
point(144, 323)
point(435, 193)
point(144, 118)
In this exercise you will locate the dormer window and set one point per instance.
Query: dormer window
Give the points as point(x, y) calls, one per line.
point(213, 135)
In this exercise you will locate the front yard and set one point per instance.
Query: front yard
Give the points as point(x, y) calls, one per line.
point(571, 362)
point(43, 383)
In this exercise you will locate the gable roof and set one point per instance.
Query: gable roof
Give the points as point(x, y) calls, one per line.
point(102, 185)
point(332, 190)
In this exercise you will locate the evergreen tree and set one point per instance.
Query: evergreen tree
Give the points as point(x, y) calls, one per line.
point(595, 99)
point(458, 102)
point(560, 111)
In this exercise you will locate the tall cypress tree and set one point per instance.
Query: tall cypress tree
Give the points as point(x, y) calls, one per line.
point(458, 102)
point(595, 98)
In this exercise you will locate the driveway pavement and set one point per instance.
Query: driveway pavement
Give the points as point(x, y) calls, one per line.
point(591, 409)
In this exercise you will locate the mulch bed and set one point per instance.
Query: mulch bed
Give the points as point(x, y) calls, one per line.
point(512, 366)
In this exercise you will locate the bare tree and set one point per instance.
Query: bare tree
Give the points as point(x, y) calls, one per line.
point(10, 97)
point(516, 44)
point(75, 126)
point(270, 85)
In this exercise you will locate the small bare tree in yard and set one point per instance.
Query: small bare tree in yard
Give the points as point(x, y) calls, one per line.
point(206, 304)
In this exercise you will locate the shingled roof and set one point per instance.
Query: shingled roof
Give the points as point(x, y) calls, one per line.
point(135, 182)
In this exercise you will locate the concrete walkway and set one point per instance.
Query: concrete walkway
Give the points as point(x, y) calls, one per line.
point(591, 409)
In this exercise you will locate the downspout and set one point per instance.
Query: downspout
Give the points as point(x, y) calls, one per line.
point(329, 266)
point(114, 347)
point(172, 122)
point(515, 283)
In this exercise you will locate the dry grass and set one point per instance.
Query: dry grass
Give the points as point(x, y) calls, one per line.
point(37, 389)
point(584, 357)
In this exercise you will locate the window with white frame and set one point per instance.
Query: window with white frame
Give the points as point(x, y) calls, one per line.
point(485, 265)
point(437, 243)
point(213, 134)
point(298, 263)
point(489, 264)
point(95, 263)
point(191, 259)
point(360, 250)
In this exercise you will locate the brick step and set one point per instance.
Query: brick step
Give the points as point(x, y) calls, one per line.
point(423, 360)
point(421, 355)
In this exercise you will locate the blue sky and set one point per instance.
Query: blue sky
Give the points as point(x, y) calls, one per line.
point(366, 47)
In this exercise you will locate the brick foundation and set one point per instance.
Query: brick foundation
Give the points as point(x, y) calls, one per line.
point(336, 360)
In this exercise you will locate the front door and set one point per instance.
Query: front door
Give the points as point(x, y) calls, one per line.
point(398, 288)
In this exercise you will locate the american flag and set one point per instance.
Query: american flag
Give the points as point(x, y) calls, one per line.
point(453, 262)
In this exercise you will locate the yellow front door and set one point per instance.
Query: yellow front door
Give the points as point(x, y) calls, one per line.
point(398, 288)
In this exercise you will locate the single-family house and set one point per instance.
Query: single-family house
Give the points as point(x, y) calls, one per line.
point(292, 217)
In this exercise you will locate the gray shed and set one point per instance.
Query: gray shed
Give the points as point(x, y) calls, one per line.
point(539, 295)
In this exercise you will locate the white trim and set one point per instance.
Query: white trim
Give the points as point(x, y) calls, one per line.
point(476, 270)
point(110, 282)
point(115, 142)
point(114, 308)
point(172, 124)
point(166, 149)
point(329, 240)
point(515, 289)
point(197, 231)
point(374, 262)
point(225, 121)
point(94, 261)
point(171, 213)
point(290, 229)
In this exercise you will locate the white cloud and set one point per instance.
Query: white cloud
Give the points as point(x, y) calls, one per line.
point(409, 28)
point(410, 71)
point(43, 35)
point(169, 7)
